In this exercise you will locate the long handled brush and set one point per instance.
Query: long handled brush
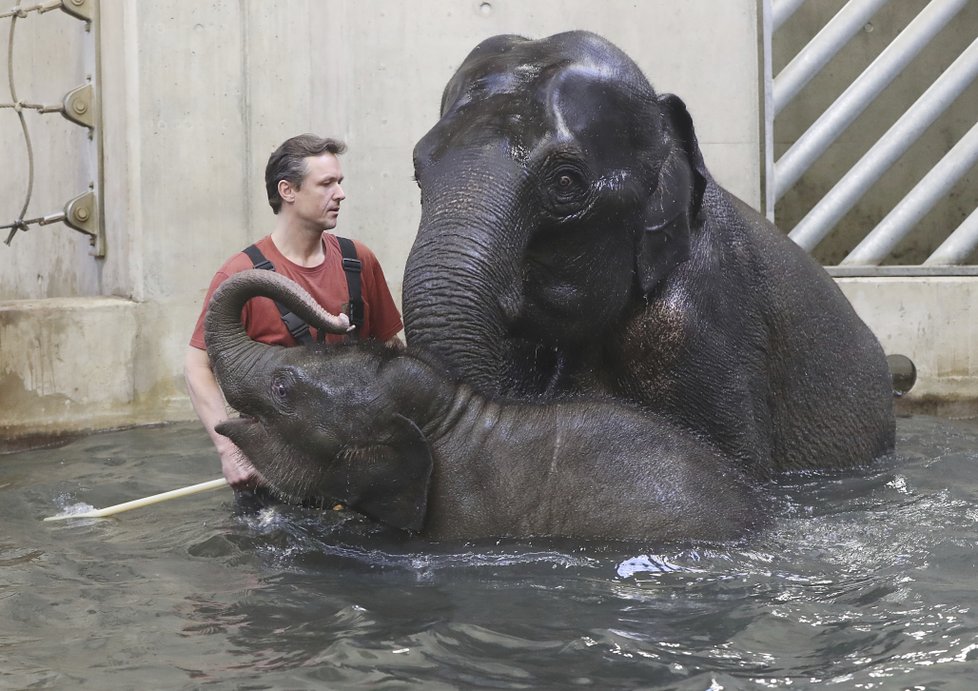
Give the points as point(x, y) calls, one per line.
point(145, 501)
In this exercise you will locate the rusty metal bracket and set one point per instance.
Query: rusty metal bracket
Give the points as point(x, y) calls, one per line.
point(80, 213)
point(79, 106)
point(80, 9)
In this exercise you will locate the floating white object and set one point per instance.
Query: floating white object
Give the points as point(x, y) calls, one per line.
point(145, 501)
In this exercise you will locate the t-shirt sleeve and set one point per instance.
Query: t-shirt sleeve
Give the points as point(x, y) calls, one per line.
point(385, 319)
point(197, 339)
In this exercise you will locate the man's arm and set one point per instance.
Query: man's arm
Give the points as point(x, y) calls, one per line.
point(208, 401)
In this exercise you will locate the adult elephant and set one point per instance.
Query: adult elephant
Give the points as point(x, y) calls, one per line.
point(572, 240)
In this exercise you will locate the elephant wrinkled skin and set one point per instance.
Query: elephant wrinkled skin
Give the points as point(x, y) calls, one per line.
point(572, 241)
point(390, 436)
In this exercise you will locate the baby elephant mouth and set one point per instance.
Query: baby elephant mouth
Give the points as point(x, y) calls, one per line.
point(234, 423)
point(241, 430)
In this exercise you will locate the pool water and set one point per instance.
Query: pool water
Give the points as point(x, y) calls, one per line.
point(862, 580)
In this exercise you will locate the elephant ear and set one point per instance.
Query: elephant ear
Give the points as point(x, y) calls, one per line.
point(663, 241)
point(388, 482)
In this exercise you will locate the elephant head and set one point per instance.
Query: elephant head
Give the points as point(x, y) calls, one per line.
point(558, 191)
point(361, 453)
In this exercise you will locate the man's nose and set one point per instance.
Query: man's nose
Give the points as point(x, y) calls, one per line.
point(340, 194)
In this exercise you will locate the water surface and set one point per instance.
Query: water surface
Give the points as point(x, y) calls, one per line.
point(863, 580)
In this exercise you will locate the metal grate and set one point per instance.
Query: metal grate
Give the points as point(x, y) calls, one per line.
point(873, 251)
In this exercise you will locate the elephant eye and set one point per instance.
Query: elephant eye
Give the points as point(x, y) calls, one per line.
point(281, 386)
point(568, 180)
point(568, 189)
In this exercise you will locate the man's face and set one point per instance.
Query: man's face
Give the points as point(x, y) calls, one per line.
point(317, 201)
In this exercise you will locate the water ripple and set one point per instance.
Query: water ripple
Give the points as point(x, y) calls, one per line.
point(863, 580)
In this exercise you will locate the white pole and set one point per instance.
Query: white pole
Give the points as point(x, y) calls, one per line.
point(813, 228)
point(877, 246)
point(863, 91)
point(145, 501)
point(829, 41)
point(959, 245)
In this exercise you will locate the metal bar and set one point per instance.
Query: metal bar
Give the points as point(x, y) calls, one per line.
point(782, 11)
point(813, 57)
point(813, 228)
point(959, 245)
point(767, 110)
point(837, 117)
point(876, 246)
point(899, 271)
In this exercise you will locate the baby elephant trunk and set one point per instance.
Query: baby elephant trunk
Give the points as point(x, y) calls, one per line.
point(236, 358)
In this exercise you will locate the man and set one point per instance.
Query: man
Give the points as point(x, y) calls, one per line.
point(303, 180)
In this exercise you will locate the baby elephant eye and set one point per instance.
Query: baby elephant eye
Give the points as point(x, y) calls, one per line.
point(565, 181)
point(280, 388)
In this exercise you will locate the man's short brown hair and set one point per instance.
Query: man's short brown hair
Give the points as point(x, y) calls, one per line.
point(288, 162)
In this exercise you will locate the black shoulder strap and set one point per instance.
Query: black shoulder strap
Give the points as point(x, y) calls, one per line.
point(298, 328)
point(352, 267)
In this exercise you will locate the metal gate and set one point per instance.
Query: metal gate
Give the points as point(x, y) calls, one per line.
point(815, 208)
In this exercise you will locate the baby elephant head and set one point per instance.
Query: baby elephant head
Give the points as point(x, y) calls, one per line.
point(319, 423)
point(322, 424)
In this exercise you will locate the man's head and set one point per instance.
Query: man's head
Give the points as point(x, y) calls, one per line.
point(289, 164)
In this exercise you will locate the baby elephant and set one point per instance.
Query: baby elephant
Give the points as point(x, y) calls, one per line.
point(390, 436)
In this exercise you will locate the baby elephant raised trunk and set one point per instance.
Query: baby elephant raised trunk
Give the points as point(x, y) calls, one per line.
point(236, 358)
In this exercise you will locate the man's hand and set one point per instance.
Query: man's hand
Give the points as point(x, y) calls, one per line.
point(208, 402)
point(237, 469)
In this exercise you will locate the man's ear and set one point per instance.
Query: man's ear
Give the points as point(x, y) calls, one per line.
point(663, 241)
point(389, 481)
point(286, 191)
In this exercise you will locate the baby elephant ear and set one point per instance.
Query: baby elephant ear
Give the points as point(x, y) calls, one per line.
point(663, 241)
point(389, 482)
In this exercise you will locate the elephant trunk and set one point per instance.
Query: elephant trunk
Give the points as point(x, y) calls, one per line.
point(238, 361)
point(462, 286)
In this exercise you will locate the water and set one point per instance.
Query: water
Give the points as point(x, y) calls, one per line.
point(862, 581)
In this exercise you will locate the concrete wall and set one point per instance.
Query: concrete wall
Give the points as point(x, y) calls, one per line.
point(933, 321)
point(194, 96)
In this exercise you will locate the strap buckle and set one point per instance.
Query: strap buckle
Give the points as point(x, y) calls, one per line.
point(297, 328)
point(352, 264)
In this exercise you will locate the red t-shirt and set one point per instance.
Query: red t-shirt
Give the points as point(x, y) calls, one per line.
point(327, 285)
